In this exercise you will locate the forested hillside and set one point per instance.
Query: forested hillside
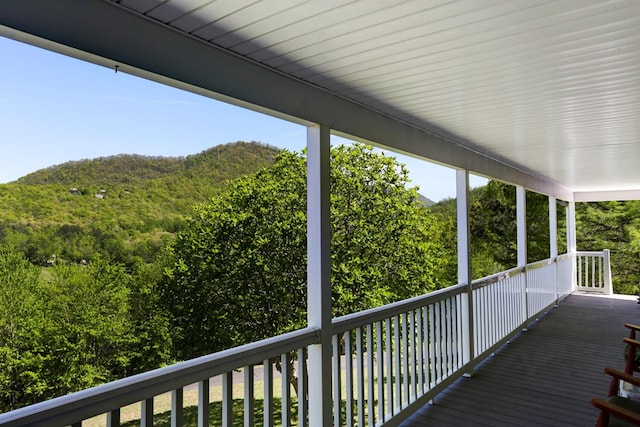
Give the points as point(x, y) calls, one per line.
point(121, 207)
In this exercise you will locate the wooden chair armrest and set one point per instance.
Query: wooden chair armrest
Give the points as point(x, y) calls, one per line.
point(632, 326)
point(616, 411)
point(619, 375)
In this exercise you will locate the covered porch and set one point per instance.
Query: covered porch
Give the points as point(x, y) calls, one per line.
point(542, 96)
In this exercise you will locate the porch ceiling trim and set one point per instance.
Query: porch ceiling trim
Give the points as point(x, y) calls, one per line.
point(603, 196)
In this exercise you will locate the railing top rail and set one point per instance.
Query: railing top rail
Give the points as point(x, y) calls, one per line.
point(361, 318)
point(84, 404)
point(484, 281)
point(589, 253)
point(540, 264)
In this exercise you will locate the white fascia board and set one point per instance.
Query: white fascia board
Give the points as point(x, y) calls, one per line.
point(105, 33)
point(606, 196)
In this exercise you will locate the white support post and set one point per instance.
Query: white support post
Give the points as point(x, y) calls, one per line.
point(608, 285)
point(521, 220)
point(553, 227)
point(553, 242)
point(319, 274)
point(464, 264)
point(571, 241)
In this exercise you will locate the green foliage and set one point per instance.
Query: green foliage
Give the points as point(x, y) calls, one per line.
point(22, 315)
point(90, 328)
point(614, 226)
point(493, 227)
point(125, 207)
point(240, 269)
point(73, 328)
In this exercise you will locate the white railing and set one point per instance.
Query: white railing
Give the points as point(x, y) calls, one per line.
point(499, 308)
point(542, 289)
point(258, 356)
point(565, 277)
point(387, 361)
point(593, 272)
point(384, 359)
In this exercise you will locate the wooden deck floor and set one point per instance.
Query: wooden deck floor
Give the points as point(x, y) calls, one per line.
point(544, 377)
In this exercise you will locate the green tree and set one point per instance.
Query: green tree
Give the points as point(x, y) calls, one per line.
point(91, 335)
point(240, 267)
point(615, 226)
point(493, 227)
point(153, 337)
point(22, 314)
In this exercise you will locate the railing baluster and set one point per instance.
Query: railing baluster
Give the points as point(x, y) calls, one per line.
point(432, 347)
point(249, 396)
point(420, 350)
point(113, 418)
point(227, 399)
point(493, 309)
point(504, 312)
point(267, 367)
point(146, 415)
point(203, 403)
point(438, 349)
point(337, 381)
point(412, 355)
point(177, 407)
point(461, 338)
point(389, 363)
point(380, 366)
point(348, 367)
point(449, 318)
point(360, 376)
point(396, 362)
point(285, 361)
point(370, 382)
point(303, 407)
point(405, 361)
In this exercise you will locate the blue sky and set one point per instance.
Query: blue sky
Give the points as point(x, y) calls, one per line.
point(54, 109)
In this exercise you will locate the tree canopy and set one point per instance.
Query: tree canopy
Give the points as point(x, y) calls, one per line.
point(240, 265)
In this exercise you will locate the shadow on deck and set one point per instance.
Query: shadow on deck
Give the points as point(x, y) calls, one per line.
point(545, 376)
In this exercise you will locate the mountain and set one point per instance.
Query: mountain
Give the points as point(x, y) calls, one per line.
point(217, 164)
point(124, 204)
point(425, 201)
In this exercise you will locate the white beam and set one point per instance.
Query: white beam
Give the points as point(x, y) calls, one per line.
point(319, 273)
point(464, 263)
point(605, 196)
point(571, 228)
point(521, 218)
point(553, 227)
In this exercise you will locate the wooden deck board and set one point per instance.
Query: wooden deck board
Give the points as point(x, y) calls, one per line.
point(545, 376)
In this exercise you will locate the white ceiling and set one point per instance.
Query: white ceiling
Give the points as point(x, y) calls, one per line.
point(551, 89)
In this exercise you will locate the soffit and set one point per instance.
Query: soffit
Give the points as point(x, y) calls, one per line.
point(552, 87)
